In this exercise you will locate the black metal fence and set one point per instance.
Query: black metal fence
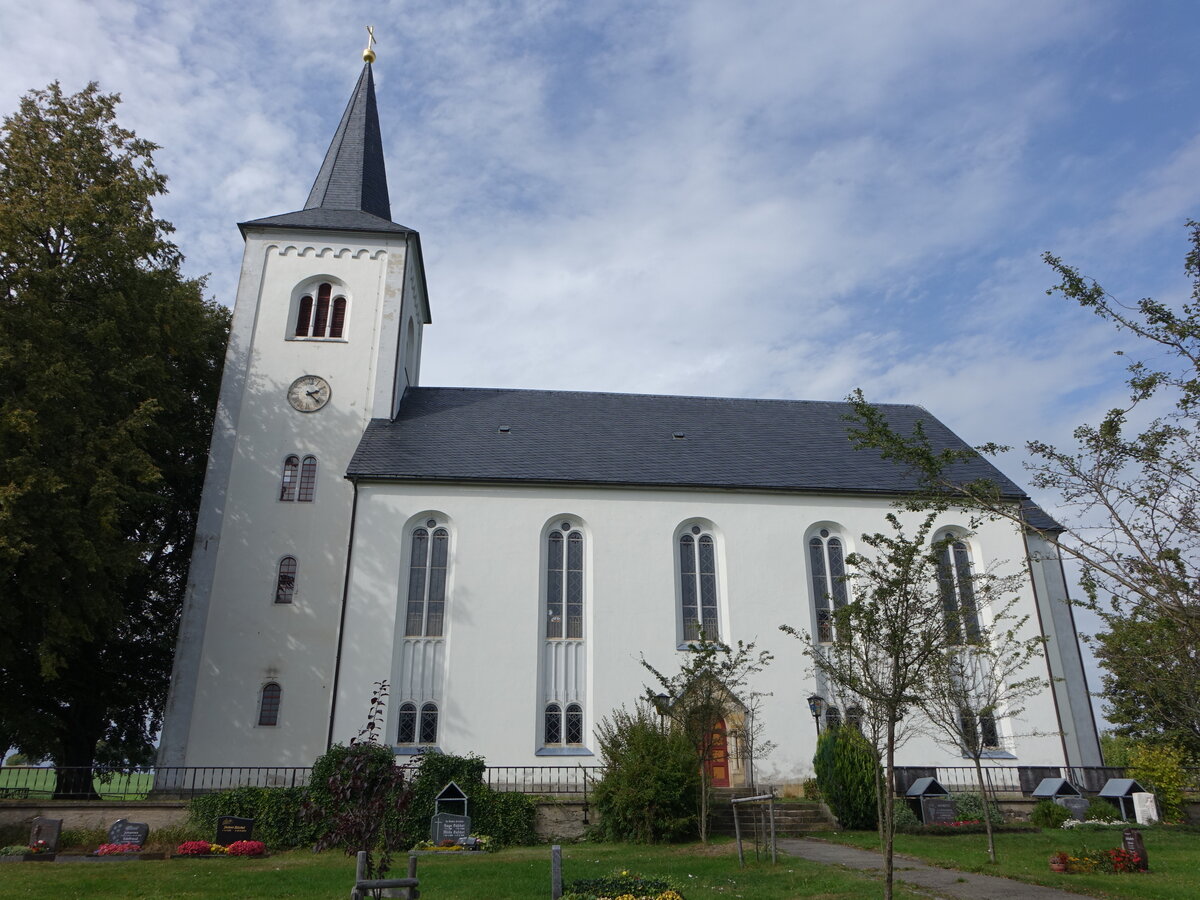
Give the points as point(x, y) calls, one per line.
point(559, 780)
point(1020, 779)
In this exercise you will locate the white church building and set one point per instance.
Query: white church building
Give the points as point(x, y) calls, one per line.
point(506, 558)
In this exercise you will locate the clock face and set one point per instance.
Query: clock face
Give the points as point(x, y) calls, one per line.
point(309, 393)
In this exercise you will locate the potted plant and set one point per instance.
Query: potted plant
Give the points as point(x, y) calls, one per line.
point(1058, 861)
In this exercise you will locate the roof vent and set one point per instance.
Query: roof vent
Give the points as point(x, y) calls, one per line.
point(505, 429)
point(678, 435)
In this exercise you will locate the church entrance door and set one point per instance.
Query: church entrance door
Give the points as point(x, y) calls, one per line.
point(717, 764)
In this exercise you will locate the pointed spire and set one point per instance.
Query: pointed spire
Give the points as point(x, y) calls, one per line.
point(352, 176)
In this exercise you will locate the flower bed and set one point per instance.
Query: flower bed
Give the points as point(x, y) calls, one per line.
point(623, 885)
point(203, 849)
point(1114, 861)
point(117, 849)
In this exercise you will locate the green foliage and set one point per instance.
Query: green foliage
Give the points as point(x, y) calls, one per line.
point(1048, 814)
point(846, 768)
point(1115, 748)
point(1160, 768)
point(507, 818)
point(811, 790)
point(17, 759)
point(618, 884)
point(904, 817)
point(276, 812)
point(648, 792)
point(969, 806)
point(110, 362)
point(1101, 811)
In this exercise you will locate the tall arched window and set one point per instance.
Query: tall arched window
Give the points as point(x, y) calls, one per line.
point(285, 580)
point(553, 724)
point(698, 584)
point(287, 484)
point(308, 479)
point(827, 562)
point(427, 581)
point(564, 582)
point(574, 723)
point(407, 732)
point(268, 704)
point(429, 723)
point(956, 583)
point(324, 317)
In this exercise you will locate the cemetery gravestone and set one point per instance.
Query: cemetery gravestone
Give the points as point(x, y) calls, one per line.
point(125, 832)
point(47, 830)
point(1078, 806)
point(233, 828)
point(1131, 840)
point(449, 827)
point(938, 810)
point(1145, 809)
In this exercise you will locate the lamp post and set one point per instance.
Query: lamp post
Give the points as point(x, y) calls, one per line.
point(662, 703)
point(816, 706)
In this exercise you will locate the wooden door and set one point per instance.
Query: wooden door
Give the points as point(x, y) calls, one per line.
point(717, 764)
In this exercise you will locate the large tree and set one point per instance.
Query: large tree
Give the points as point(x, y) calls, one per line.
point(109, 367)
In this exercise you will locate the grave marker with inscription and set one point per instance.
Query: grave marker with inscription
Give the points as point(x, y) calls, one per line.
point(123, 831)
point(48, 830)
point(938, 810)
point(449, 827)
point(1131, 840)
point(1078, 806)
point(233, 828)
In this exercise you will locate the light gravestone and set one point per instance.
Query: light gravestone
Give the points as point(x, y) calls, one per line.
point(232, 828)
point(123, 831)
point(447, 826)
point(48, 830)
point(1145, 809)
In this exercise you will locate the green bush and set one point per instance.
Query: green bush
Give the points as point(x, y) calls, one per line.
point(1102, 811)
point(1160, 768)
point(275, 811)
point(651, 782)
point(969, 806)
point(1048, 814)
point(507, 818)
point(619, 884)
point(846, 769)
point(903, 815)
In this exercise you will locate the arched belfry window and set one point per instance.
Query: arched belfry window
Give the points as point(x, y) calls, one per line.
point(322, 315)
point(564, 582)
point(427, 580)
point(957, 585)
point(826, 559)
point(698, 584)
point(268, 704)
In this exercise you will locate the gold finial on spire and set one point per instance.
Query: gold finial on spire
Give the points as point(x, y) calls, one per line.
point(369, 54)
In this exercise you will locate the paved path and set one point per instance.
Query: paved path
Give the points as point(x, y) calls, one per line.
point(946, 882)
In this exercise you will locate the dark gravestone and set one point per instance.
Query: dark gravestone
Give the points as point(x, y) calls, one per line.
point(125, 832)
point(1077, 805)
point(449, 827)
point(232, 828)
point(47, 830)
point(938, 810)
point(1131, 840)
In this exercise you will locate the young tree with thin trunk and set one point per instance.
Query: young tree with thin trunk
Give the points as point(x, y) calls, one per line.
point(708, 687)
point(887, 640)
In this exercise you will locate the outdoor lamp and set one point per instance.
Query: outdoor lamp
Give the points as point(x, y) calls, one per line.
point(816, 706)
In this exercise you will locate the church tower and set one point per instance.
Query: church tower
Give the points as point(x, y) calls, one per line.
point(326, 335)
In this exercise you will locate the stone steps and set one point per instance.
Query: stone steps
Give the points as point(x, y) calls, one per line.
point(792, 817)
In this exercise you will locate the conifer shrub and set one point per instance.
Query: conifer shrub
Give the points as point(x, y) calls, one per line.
point(651, 780)
point(846, 768)
point(1048, 814)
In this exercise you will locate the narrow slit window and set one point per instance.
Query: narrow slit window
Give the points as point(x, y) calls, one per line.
point(268, 705)
point(287, 485)
point(308, 479)
point(285, 582)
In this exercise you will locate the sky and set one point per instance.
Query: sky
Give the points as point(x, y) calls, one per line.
point(760, 199)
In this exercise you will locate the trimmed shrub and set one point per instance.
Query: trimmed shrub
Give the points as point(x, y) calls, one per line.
point(649, 791)
point(275, 811)
point(1048, 814)
point(846, 769)
point(903, 815)
point(1101, 811)
point(970, 806)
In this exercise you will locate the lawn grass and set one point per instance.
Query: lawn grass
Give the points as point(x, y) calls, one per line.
point(1174, 859)
point(40, 783)
point(705, 872)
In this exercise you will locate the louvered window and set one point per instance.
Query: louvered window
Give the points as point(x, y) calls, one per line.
point(321, 317)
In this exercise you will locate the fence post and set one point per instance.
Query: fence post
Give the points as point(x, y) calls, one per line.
point(555, 872)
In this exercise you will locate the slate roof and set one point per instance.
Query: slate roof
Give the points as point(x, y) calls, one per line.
point(351, 192)
point(458, 434)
